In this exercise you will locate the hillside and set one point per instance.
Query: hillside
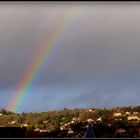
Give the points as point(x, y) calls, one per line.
point(75, 120)
point(58, 117)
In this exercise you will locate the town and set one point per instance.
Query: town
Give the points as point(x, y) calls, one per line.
point(72, 123)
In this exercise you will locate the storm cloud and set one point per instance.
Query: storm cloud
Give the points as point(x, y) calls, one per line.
point(96, 63)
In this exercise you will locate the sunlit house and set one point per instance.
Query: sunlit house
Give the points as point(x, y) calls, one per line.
point(117, 114)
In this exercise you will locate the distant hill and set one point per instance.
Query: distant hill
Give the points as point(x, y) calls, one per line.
point(60, 117)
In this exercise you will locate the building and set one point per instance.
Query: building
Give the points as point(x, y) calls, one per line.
point(74, 118)
point(133, 120)
point(70, 131)
point(117, 114)
point(25, 125)
point(133, 117)
point(62, 128)
point(43, 130)
point(135, 113)
point(89, 120)
point(99, 119)
point(127, 113)
point(37, 129)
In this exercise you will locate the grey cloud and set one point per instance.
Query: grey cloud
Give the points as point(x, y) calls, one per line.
point(98, 44)
point(105, 98)
point(100, 48)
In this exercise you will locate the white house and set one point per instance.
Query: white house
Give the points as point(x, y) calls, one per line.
point(45, 122)
point(89, 120)
point(90, 110)
point(131, 107)
point(70, 131)
point(62, 128)
point(37, 129)
point(78, 119)
point(99, 119)
point(135, 113)
point(25, 125)
point(74, 119)
point(65, 124)
point(13, 122)
point(118, 119)
point(43, 130)
point(129, 118)
point(109, 125)
point(127, 113)
point(117, 114)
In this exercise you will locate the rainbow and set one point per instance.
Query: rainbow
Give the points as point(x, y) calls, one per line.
point(31, 73)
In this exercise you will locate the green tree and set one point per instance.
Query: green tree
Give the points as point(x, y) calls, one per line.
point(3, 111)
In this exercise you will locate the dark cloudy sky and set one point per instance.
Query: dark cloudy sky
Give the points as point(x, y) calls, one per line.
point(97, 62)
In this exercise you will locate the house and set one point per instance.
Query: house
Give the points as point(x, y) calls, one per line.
point(45, 122)
point(117, 114)
point(89, 120)
point(118, 119)
point(62, 128)
point(43, 130)
point(132, 107)
point(78, 119)
point(37, 129)
point(127, 113)
point(90, 110)
point(65, 124)
point(74, 119)
point(109, 125)
point(13, 122)
point(70, 131)
point(129, 118)
point(99, 119)
point(25, 125)
point(133, 120)
point(135, 113)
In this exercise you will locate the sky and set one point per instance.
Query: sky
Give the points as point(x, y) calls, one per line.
point(95, 64)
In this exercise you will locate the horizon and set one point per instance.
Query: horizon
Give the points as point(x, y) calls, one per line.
point(69, 55)
point(84, 108)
